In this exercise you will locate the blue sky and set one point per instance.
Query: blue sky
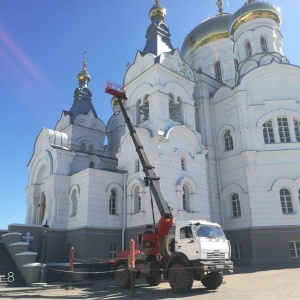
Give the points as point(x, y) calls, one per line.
point(41, 52)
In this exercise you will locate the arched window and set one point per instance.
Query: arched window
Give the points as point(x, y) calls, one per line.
point(183, 164)
point(74, 203)
point(137, 166)
point(284, 131)
point(112, 202)
point(174, 108)
point(186, 198)
point(137, 200)
point(91, 165)
point(248, 49)
point(228, 141)
point(297, 129)
point(218, 71)
point(83, 147)
point(286, 201)
point(268, 132)
point(236, 206)
point(236, 64)
point(263, 44)
point(91, 148)
point(143, 109)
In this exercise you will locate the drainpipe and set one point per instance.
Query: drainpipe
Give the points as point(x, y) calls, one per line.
point(124, 210)
point(217, 160)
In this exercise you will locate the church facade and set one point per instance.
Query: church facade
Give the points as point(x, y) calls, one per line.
point(221, 127)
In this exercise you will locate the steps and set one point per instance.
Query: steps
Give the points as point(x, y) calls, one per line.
point(7, 265)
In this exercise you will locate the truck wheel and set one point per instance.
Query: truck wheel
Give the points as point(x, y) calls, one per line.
point(212, 281)
point(154, 280)
point(167, 246)
point(122, 277)
point(180, 278)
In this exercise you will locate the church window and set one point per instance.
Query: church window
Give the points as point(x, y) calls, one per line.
point(294, 249)
point(218, 71)
point(91, 165)
point(83, 147)
point(248, 49)
point(143, 109)
point(268, 132)
point(174, 108)
point(237, 251)
point(283, 128)
point(74, 203)
point(263, 44)
point(286, 201)
point(112, 202)
point(137, 166)
point(91, 148)
point(297, 129)
point(183, 164)
point(185, 198)
point(228, 141)
point(236, 64)
point(137, 200)
point(113, 250)
point(236, 206)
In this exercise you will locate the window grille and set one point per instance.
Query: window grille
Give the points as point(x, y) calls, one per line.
point(263, 44)
point(112, 202)
point(248, 49)
point(294, 249)
point(268, 132)
point(237, 251)
point(236, 206)
point(218, 71)
point(228, 141)
point(283, 128)
point(286, 201)
point(114, 250)
point(297, 129)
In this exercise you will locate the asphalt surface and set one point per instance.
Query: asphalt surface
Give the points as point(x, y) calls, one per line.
point(247, 283)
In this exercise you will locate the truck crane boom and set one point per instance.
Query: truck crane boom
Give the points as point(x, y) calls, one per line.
point(165, 223)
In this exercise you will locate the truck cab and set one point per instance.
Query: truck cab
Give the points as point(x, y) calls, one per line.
point(201, 240)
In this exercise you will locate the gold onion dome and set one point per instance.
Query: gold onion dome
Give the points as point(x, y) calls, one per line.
point(211, 30)
point(157, 11)
point(252, 10)
point(83, 76)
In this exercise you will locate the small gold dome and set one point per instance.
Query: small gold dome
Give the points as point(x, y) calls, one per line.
point(83, 76)
point(157, 11)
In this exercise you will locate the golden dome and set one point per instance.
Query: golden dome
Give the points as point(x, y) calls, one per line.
point(253, 10)
point(213, 29)
point(83, 76)
point(157, 11)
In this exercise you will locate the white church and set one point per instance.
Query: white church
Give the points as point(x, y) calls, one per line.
point(220, 121)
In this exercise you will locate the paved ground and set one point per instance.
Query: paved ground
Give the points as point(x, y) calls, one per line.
point(246, 284)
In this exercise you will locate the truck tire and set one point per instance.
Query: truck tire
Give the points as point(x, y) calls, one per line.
point(167, 246)
point(122, 277)
point(180, 278)
point(212, 280)
point(154, 280)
